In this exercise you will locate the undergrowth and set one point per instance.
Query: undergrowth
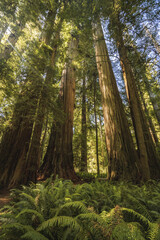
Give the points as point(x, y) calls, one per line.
point(60, 210)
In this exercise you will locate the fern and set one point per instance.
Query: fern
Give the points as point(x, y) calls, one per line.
point(18, 226)
point(13, 230)
point(93, 224)
point(60, 221)
point(90, 217)
point(29, 198)
point(130, 215)
point(137, 205)
point(77, 207)
point(125, 231)
point(32, 212)
point(61, 210)
point(154, 232)
point(33, 235)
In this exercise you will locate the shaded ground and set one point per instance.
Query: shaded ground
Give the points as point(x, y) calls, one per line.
point(4, 197)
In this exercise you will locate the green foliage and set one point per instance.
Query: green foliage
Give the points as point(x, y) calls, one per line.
point(129, 231)
point(100, 210)
point(87, 176)
point(23, 74)
point(32, 234)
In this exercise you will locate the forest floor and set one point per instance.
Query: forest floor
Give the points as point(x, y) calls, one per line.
point(5, 194)
point(4, 197)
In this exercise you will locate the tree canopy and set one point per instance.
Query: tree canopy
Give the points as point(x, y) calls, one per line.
point(79, 89)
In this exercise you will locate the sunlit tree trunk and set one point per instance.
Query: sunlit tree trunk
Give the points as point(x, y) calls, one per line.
point(84, 129)
point(153, 40)
point(151, 125)
point(3, 30)
point(102, 143)
point(11, 41)
point(59, 156)
point(20, 145)
point(149, 161)
point(155, 106)
point(152, 96)
point(96, 126)
point(8, 12)
point(34, 151)
point(122, 157)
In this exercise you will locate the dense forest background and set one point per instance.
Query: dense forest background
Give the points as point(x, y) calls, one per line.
point(80, 119)
point(79, 90)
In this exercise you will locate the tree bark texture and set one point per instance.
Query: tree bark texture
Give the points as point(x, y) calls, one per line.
point(96, 126)
point(122, 157)
point(59, 156)
point(151, 125)
point(152, 96)
point(149, 161)
point(20, 145)
point(103, 148)
point(14, 147)
point(153, 40)
point(84, 130)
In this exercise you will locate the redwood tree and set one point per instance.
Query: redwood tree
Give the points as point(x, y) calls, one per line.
point(149, 160)
point(20, 145)
point(122, 157)
point(84, 129)
point(58, 159)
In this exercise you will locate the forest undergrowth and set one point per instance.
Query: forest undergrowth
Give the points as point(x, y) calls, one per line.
point(59, 210)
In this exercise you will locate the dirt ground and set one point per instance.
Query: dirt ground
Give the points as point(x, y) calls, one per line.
point(4, 197)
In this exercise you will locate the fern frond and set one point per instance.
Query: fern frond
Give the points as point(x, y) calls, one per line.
point(127, 231)
point(130, 215)
point(68, 234)
point(15, 225)
point(33, 235)
point(29, 198)
point(5, 208)
point(154, 232)
point(60, 221)
point(11, 231)
point(76, 196)
point(90, 217)
point(78, 206)
point(8, 214)
point(33, 212)
point(94, 225)
point(138, 206)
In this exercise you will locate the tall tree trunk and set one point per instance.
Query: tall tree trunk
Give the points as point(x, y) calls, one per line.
point(153, 40)
point(58, 159)
point(151, 125)
point(84, 129)
point(155, 105)
point(21, 156)
point(122, 156)
point(15, 144)
point(96, 127)
point(149, 161)
point(8, 15)
point(34, 152)
point(43, 137)
point(102, 142)
point(11, 41)
point(3, 30)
